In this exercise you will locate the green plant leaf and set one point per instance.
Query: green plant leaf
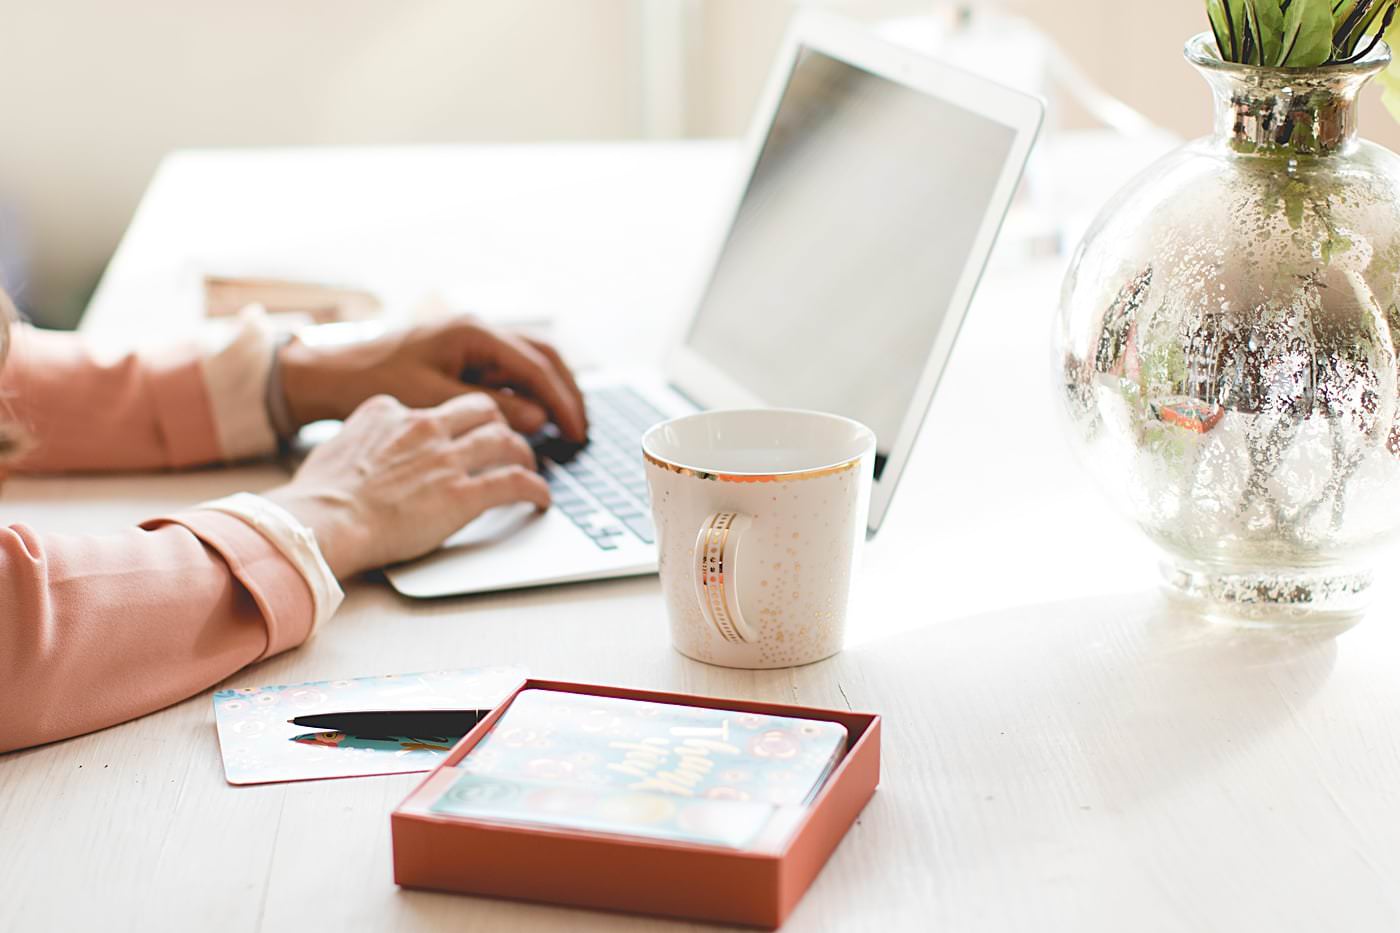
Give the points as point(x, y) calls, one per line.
point(1215, 12)
point(1307, 34)
point(1266, 22)
point(1228, 20)
point(1249, 45)
point(1389, 79)
point(1238, 13)
point(1341, 9)
point(1347, 31)
point(1369, 20)
point(1350, 44)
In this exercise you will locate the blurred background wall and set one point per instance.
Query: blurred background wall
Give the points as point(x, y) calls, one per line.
point(95, 92)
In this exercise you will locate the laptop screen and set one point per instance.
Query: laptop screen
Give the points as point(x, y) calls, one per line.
point(847, 247)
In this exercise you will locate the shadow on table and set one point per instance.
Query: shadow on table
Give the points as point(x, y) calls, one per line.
point(1043, 735)
point(429, 910)
point(1091, 684)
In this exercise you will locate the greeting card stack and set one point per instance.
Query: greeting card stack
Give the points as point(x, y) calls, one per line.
point(647, 802)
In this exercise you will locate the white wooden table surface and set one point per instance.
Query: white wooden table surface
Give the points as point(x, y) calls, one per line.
point(1064, 750)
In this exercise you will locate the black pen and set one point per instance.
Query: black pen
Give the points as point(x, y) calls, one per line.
point(437, 722)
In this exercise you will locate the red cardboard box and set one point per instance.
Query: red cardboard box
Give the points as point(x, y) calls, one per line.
point(638, 875)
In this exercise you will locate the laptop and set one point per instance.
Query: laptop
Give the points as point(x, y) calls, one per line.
point(878, 180)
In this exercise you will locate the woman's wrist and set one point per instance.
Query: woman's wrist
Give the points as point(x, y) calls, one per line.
point(330, 518)
point(308, 394)
point(329, 381)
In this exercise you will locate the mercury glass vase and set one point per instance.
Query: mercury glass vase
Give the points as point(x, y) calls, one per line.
point(1226, 348)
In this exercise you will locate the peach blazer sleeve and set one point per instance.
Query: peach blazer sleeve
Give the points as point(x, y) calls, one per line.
point(180, 406)
point(98, 629)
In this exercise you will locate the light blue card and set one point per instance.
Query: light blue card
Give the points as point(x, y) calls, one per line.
point(260, 746)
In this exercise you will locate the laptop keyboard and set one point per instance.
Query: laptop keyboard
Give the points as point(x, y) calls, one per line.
point(603, 487)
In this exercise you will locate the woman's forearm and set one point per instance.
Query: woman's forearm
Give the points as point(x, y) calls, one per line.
point(99, 629)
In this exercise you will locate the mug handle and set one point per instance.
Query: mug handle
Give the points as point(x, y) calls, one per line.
point(716, 574)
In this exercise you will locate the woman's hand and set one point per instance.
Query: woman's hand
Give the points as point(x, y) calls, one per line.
point(429, 364)
point(395, 482)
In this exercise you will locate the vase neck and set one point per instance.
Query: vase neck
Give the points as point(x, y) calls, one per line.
point(1285, 112)
point(1283, 115)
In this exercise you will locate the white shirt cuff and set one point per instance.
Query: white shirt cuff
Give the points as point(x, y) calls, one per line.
point(294, 540)
point(235, 367)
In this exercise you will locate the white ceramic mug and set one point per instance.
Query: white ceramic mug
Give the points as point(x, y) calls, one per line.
point(760, 514)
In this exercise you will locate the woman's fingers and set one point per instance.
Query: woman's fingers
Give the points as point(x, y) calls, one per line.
point(519, 365)
point(504, 486)
point(524, 415)
point(562, 369)
point(493, 446)
point(466, 412)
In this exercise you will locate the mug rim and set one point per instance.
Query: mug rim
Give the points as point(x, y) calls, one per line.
point(827, 469)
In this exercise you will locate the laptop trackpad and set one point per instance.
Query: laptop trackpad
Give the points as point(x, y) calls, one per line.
point(495, 525)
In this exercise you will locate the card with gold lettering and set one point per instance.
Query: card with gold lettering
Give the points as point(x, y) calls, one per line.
point(604, 764)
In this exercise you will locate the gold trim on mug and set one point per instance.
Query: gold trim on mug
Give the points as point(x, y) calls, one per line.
point(750, 477)
point(711, 557)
